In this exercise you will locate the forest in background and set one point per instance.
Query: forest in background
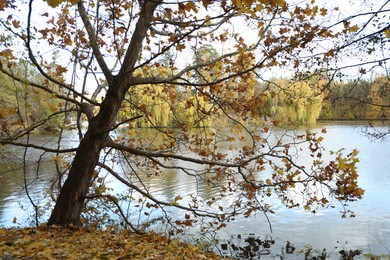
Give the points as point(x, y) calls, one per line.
point(301, 99)
point(282, 101)
point(357, 99)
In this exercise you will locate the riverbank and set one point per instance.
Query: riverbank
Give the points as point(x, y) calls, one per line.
point(80, 243)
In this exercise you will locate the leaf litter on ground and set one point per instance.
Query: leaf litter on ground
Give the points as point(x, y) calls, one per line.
point(57, 242)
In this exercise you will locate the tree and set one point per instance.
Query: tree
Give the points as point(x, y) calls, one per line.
point(114, 49)
point(354, 100)
point(293, 101)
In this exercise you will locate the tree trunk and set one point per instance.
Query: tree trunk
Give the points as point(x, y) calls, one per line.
point(70, 201)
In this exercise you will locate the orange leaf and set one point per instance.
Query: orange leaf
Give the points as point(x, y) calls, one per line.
point(206, 3)
point(191, 6)
point(16, 24)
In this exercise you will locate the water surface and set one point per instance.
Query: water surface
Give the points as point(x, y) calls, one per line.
point(368, 231)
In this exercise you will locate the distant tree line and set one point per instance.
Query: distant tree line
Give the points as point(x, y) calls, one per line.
point(363, 99)
point(305, 102)
point(282, 101)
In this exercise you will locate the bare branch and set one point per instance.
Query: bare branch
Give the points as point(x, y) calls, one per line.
point(115, 201)
point(134, 151)
point(38, 147)
point(139, 34)
point(201, 213)
point(93, 42)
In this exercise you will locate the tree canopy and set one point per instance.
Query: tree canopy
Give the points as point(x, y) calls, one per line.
point(186, 86)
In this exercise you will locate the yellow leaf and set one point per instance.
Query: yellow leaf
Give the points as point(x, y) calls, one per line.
point(178, 197)
point(54, 3)
point(208, 20)
point(359, 192)
point(35, 246)
point(279, 2)
point(343, 166)
point(259, 7)
point(248, 3)
point(237, 3)
point(354, 28)
point(387, 32)
point(7, 53)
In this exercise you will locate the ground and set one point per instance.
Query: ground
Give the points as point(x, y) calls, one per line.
point(81, 243)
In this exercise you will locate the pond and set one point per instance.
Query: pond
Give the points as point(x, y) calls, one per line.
point(369, 231)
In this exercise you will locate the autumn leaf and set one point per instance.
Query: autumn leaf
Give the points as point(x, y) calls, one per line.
point(208, 20)
point(191, 6)
point(55, 3)
point(248, 3)
point(120, 30)
point(279, 2)
point(323, 11)
point(175, 201)
point(258, 8)
point(7, 53)
point(178, 197)
point(355, 152)
point(16, 24)
point(206, 3)
point(354, 28)
point(237, 3)
point(59, 243)
point(180, 47)
point(387, 33)
point(230, 139)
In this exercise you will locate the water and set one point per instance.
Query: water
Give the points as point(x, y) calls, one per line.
point(368, 231)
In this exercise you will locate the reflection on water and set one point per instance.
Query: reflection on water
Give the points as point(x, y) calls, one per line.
point(15, 208)
point(368, 231)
